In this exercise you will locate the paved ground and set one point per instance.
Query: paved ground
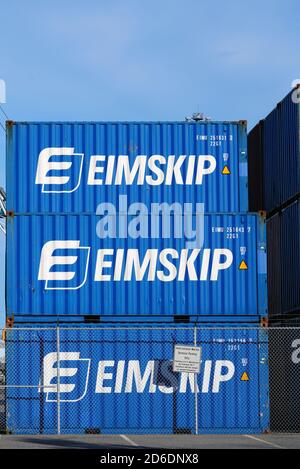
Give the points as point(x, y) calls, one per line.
point(274, 441)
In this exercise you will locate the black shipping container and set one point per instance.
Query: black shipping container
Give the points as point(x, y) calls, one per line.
point(284, 379)
point(274, 156)
point(255, 168)
point(283, 240)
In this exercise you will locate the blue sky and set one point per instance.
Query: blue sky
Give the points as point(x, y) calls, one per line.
point(138, 60)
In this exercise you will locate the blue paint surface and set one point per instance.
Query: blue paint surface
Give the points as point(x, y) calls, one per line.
point(226, 142)
point(202, 289)
point(122, 381)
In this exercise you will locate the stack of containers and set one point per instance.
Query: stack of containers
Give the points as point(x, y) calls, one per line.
point(134, 230)
point(274, 187)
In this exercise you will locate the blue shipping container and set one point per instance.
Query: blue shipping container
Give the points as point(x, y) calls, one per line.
point(122, 381)
point(73, 167)
point(63, 268)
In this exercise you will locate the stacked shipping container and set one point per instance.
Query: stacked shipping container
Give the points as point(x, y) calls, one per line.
point(274, 186)
point(109, 397)
point(134, 224)
point(274, 157)
point(284, 263)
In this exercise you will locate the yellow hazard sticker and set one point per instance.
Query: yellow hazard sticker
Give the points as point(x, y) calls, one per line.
point(245, 377)
point(226, 170)
point(243, 265)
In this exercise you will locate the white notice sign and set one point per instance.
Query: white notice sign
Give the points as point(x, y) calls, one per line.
point(186, 359)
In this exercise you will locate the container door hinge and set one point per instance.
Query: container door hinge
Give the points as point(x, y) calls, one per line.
point(10, 322)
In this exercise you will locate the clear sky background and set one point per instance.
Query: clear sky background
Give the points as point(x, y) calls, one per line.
point(144, 60)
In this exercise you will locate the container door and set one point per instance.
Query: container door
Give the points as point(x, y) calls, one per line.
point(233, 381)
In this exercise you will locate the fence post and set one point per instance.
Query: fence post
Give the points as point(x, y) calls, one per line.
point(196, 387)
point(58, 379)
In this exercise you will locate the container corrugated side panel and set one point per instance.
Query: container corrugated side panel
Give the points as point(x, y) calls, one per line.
point(227, 142)
point(283, 240)
point(281, 151)
point(271, 161)
point(274, 259)
point(255, 168)
point(233, 292)
point(289, 149)
point(137, 393)
point(290, 258)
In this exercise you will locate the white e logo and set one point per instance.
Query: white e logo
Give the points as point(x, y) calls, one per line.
point(64, 265)
point(56, 174)
point(75, 376)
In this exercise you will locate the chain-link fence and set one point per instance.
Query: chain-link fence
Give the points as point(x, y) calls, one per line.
point(121, 380)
